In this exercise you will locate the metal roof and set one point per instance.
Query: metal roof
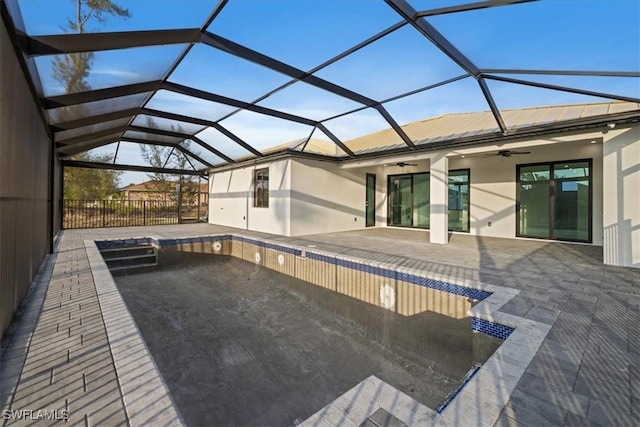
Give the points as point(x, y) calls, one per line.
point(215, 95)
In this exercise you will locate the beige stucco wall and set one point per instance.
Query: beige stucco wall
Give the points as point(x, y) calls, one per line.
point(493, 182)
point(231, 199)
point(622, 196)
point(309, 196)
point(325, 199)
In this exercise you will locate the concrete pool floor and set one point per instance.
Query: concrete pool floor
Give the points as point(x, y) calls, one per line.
point(587, 370)
point(239, 347)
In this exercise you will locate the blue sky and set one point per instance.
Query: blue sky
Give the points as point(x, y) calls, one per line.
point(551, 34)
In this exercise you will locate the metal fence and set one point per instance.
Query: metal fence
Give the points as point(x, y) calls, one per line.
point(121, 213)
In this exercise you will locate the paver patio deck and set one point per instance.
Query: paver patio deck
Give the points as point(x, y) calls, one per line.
point(586, 372)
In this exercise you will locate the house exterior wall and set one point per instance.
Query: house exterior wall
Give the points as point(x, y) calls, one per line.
point(309, 196)
point(26, 174)
point(622, 197)
point(231, 199)
point(325, 198)
point(493, 180)
point(493, 183)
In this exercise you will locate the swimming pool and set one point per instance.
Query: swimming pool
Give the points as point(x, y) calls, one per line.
point(229, 335)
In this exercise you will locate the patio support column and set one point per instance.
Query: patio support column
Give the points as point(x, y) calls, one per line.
point(439, 195)
point(621, 204)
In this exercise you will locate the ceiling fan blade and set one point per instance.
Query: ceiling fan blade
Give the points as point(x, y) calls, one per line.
point(521, 152)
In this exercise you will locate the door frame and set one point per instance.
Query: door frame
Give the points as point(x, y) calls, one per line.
point(367, 201)
point(552, 200)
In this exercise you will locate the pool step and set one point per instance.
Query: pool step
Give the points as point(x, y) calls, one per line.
point(130, 257)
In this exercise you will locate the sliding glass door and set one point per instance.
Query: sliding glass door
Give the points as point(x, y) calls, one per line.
point(459, 200)
point(409, 200)
point(554, 201)
point(401, 200)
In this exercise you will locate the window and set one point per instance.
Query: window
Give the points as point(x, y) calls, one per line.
point(261, 188)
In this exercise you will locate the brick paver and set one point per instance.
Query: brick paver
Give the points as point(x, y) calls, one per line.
point(586, 372)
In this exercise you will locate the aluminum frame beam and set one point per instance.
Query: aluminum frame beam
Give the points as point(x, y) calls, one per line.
point(172, 145)
point(94, 120)
point(563, 88)
point(93, 135)
point(405, 10)
point(441, 42)
point(95, 42)
point(71, 149)
point(468, 7)
point(70, 99)
point(184, 136)
point(196, 93)
point(251, 55)
point(561, 72)
point(132, 168)
point(203, 122)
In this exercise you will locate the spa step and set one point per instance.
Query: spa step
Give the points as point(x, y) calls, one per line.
point(129, 250)
point(131, 267)
point(130, 257)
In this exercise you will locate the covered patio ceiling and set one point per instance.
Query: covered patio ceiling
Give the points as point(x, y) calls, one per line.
point(225, 83)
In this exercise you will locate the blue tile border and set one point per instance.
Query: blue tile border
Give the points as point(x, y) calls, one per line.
point(457, 391)
point(478, 325)
point(489, 328)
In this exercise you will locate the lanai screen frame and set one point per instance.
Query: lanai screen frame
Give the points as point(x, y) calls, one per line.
point(31, 47)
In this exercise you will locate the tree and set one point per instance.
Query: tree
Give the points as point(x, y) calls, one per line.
point(161, 157)
point(167, 157)
point(72, 71)
point(91, 184)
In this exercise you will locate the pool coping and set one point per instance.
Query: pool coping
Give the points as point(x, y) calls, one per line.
point(145, 395)
point(479, 401)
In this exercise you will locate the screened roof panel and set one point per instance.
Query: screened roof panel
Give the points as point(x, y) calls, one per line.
point(304, 100)
point(621, 86)
point(223, 144)
point(201, 152)
point(79, 111)
point(262, 131)
point(347, 128)
point(346, 23)
point(172, 102)
point(513, 96)
point(548, 35)
point(111, 68)
point(209, 69)
point(89, 143)
point(87, 130)
point(151, 137)
point(400, 62)
point(457, 97)
point(254, 56)
point(420, 5)
point(106, 153)
point(130, 153)
point(144, 15)
point(164, 124)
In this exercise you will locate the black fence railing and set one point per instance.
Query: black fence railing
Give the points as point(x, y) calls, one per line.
point(122, 213)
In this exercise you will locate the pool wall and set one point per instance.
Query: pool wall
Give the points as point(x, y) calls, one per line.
point(479, 401)
point(403, 290)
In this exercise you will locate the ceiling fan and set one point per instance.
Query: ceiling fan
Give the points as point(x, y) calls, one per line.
point(506, 153)
point(402, 164)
